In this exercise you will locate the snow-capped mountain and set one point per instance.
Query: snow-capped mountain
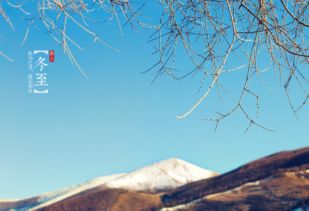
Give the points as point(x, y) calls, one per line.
point(275, 182)
point(164, 175)
point(167, 174)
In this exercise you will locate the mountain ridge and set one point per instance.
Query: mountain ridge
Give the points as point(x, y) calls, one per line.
point(160, 176)
point(276, 182)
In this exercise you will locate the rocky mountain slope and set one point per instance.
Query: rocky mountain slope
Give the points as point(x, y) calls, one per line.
point(279, 181)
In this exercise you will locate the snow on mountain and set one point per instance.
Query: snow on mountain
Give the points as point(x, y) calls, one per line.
point(163, 175)
point(9, 200)
point(53, 197)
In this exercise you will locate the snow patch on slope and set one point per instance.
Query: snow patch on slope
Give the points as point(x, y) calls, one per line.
point(9, 200)
point(53, 197)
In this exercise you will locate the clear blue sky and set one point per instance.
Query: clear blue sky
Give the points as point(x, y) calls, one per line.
point(116, 120)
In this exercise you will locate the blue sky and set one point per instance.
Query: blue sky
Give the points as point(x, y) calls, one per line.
point(117, 120)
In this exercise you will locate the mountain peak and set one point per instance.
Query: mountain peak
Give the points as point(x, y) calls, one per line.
point(163, 175)
point(173, 161)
